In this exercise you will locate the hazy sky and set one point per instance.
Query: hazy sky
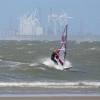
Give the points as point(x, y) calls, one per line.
point(85, 13)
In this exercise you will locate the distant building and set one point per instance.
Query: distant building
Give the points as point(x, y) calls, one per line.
point(30, 25)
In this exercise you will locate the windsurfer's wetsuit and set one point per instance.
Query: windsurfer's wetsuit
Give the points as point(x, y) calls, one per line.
point(54, 56)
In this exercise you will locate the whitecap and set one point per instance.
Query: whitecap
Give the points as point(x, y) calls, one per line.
point(30, 52)
point(33, 64)
point(20, 48)
point(41, 68)
point(29, 44)
point(92, 48)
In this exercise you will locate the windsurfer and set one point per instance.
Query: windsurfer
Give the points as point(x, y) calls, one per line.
point(55, 57)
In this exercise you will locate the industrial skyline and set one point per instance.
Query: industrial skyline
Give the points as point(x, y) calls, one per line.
point(84, 23)
point(30, 28)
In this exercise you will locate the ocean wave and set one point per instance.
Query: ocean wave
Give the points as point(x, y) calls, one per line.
point(83, 84)
point(12, 64)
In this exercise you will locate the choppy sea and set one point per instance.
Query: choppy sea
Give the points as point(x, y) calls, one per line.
point(22, 68)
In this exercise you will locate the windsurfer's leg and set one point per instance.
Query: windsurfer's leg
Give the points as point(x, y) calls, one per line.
point(54, 60)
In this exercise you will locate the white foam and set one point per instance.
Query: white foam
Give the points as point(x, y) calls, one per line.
point(0, 59)
point(29, 44)
point(82, 84)
point(92, 48)
point(30, 52)
point(49, 63)
point(41, 68)
point(33, 64)
point(37, 64)
point(20, 48)
point(95, 48)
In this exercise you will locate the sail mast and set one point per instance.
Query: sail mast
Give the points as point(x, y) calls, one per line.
point(66, 27)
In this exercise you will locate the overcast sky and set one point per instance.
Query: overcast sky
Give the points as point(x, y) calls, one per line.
point(85, 13)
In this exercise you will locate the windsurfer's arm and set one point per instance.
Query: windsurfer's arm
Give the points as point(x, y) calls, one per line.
point(61, 62)
point(57, 57)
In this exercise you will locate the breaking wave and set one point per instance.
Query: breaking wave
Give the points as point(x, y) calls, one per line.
point(80, 84)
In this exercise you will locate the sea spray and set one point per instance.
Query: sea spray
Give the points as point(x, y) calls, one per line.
point(49, 63)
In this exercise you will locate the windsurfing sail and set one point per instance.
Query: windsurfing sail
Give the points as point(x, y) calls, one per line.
point(63, 45)
point(62, 49)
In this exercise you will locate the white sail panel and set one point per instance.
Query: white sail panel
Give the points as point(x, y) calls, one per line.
point(62, 48)
point(62, 53)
